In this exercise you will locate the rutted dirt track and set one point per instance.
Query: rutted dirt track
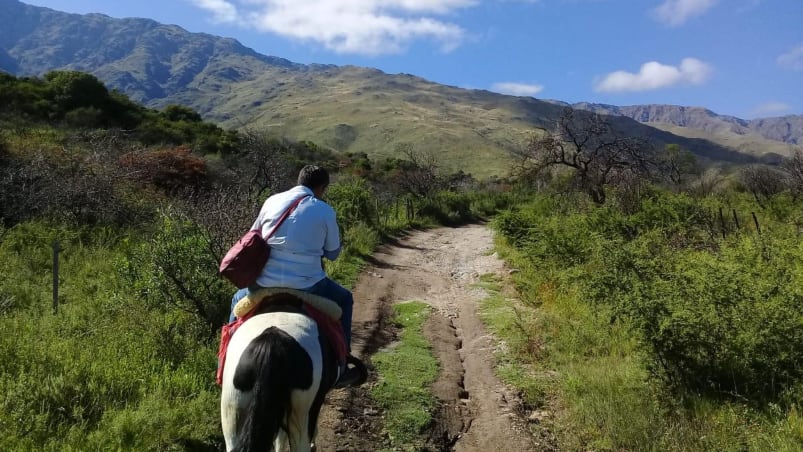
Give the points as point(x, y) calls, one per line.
point(477, 412)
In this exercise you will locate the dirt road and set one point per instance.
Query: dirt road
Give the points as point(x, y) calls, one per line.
point(439, 266)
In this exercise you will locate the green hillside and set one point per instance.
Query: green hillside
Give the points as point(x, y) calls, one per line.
point(346, 108)
point(747, 143)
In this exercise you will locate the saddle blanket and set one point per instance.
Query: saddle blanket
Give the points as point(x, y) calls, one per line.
point(328, 324)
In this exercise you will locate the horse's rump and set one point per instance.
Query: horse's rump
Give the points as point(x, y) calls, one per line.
point(273, 379)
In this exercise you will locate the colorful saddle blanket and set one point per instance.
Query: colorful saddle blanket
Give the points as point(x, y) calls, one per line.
point(325, 312)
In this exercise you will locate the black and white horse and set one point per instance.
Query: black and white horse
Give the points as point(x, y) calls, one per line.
point(277, 373)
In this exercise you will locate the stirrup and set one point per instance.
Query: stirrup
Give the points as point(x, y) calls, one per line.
point(352, 376)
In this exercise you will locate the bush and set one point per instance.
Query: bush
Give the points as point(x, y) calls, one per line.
point(84, 117)
point(720, 323)
point(176, 270)
point(725, 323)
point(354, 202)
point(719, 317)
point(170, 169)
point(548, 238)
point(447, 207)
point(68, 380)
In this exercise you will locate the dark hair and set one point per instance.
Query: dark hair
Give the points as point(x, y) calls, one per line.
point(312, 177)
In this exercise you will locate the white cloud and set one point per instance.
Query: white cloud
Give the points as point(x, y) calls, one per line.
point(771, 108)
point(222, 11)
point(517, 89)
point(368, 27)
point(793, 59)
point(654, 75)
point(677, 12)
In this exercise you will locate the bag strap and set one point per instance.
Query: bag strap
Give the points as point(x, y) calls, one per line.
point(285, 215)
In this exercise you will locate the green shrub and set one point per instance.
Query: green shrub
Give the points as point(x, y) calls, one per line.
point(725, 323)
point(68, 380)
point(562, 240)
point(717, 316)
point(353, 201)
point(175, 269)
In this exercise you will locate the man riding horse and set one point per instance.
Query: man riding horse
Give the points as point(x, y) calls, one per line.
point(309, 233)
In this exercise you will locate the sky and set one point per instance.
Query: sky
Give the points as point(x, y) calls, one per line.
point(742, 58)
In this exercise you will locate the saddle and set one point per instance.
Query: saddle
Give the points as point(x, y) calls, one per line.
point(325, 312)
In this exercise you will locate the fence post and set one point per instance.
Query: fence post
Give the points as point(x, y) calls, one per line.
point(755, 220)
point(378, 214)
point(736, 219)
point(56, 250)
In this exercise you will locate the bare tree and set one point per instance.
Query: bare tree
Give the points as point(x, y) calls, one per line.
point(264, 163)
point(419, 175)
point(224, 213)
point(677, 165)
point(587, 144)
point(707, 182)
point(70, 186)
point(793, 166)
point(762, 182)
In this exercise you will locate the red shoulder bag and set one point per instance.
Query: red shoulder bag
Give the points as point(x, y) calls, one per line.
point(246, 259)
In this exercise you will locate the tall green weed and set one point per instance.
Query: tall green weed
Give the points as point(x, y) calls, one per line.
point(67, 378)
point(660, 333)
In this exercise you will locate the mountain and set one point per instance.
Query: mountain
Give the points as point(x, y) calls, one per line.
point(345, 107)
point(779, 135)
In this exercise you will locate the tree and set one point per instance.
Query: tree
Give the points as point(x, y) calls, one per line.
point(762, 182)
point(175, 112)
point(587, 144)
point(793, 166)
point(676, 165)
point(265, 162)
point(73, 89)
point(418, 175)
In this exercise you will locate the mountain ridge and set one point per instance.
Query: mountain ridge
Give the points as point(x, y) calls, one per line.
point(348, 108)
point(785, 128)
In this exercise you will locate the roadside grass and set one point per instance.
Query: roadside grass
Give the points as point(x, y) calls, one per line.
point(359, 243)
point(405, 372)
point(588, 373)
point(508, 322)
point(105, 373)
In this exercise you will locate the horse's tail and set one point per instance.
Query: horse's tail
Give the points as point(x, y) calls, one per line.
point(270, 367)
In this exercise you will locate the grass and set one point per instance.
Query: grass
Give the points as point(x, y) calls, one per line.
point(359, 243)
point(405, 372)
point(570, 360)
point(508, 321)
point(103, 373)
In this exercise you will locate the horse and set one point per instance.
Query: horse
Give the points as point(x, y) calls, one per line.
point(278, 370)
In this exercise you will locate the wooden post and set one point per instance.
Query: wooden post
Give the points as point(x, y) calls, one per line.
point(711, 221)
point(755, 220)
point(722, 220)
point(378, 214)
point(736, 219)
point(56, 250)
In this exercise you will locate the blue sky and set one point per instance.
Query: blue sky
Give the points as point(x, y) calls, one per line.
point(736, 57)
